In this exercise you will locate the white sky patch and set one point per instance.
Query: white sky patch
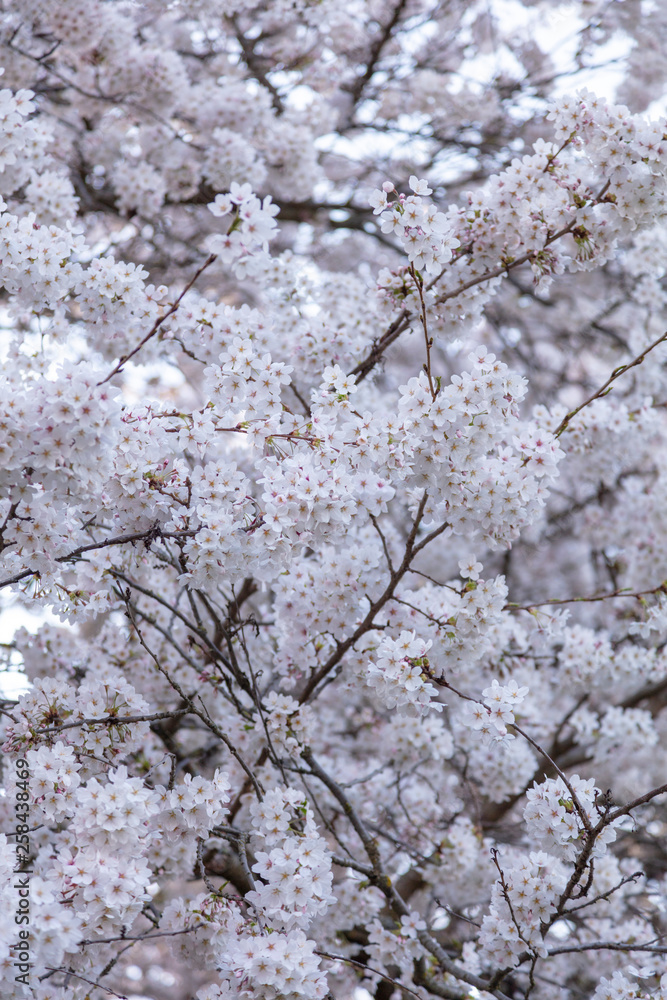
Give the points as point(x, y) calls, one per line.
point(132, 972)
point(139, 380)
point(561, 929)
point(299, 97)
point(414, 38)
point(361, 994)
point(557, 31)
point(13, 617)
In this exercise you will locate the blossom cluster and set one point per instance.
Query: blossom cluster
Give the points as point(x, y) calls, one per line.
point(492, 717)
point(523, 900)
point(425, 234)
point(619, 987)
point(279, 502)
point(297, 880)
point(561, 817)
point(89, 710)
point(251, 228)
point(396, 674)
point(398, 946)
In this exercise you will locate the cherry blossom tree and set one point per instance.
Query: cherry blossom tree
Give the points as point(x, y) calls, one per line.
point(333, 439)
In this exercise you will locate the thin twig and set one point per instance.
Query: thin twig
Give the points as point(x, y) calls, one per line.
point(158, 322)
point(604, 389)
